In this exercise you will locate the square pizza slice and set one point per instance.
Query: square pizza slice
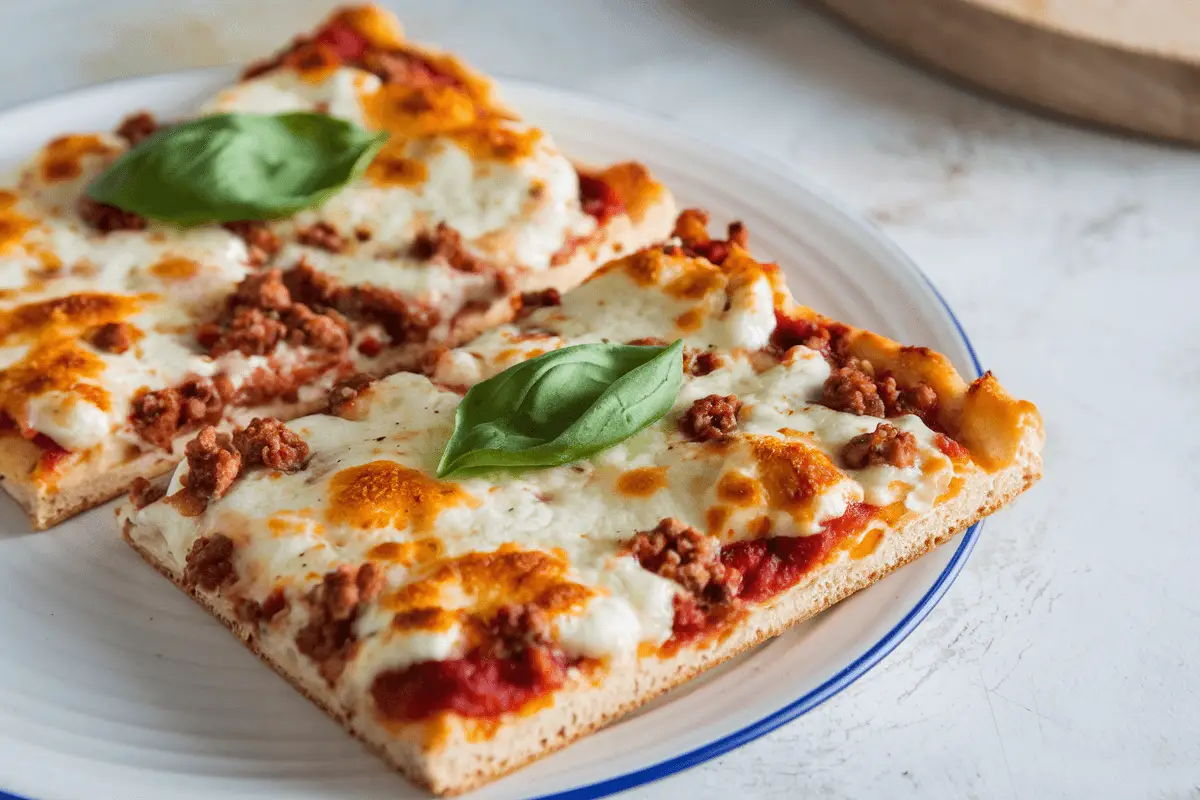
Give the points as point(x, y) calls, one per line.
point(122, 333)
point(580, 509)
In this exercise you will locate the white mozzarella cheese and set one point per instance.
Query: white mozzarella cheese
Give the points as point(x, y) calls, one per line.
point(532, 200)
point(571, 509)
point(517, 213)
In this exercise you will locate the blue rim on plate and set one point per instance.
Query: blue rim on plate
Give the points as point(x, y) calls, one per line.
point(892, 639)
point(805, 703)
point(861, 665)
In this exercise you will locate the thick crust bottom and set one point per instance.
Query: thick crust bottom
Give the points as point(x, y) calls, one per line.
point(89, 484)
point(459, 761)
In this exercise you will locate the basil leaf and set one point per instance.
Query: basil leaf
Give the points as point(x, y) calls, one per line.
point(562, 406)
point(229, 167)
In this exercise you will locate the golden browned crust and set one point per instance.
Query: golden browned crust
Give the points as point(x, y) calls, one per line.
point(458, 761)
point(981, 416)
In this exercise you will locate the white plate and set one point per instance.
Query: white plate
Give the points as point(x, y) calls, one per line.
point(115, 685)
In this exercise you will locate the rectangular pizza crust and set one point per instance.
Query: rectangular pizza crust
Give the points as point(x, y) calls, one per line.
point(92, 482)
point(458, 762)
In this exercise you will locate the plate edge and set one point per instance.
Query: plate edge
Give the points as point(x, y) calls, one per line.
point(870, 658)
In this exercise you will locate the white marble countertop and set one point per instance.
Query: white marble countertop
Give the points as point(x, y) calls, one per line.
point(1065, 662)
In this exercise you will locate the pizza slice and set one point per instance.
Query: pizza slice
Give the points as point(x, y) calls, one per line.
point(581, 509)
point(348, 206)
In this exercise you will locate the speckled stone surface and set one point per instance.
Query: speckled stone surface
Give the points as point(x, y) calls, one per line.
point(1064, 662)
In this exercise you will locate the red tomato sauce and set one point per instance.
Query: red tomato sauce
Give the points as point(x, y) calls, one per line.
point(350, 47)
point(52, 452)
point(347, 43)
point(792, 331)
point(370, 347)
point(769, 566)
point(693, 622)
point(478, 685)
point(772, 565)
point(599, 199)
point(951, 448)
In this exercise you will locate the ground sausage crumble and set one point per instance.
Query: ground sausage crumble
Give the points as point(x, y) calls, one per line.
point(711, 417)
point(271, 443)
point(137, 127)
point(852, 389)
point(210, 563)
point(333, 605)
point(106, 218)
point(887, 444)
point(516, 628)
point(346, 391)
point(323, 236)
point(112, 337)
point(683, 554)
point(142, 492)
point(261, 242)
point(213, 464)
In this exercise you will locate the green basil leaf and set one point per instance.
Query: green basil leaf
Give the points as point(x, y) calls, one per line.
point(229, 167)
point(562, 406)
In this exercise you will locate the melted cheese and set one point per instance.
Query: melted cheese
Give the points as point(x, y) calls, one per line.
point(451, 158)
point(163, 282)
point(505, 187)
point(454, 551)
point(64, 159)
point(382, 494)
point(13, 224)
point(627, 301)
point(280, 91)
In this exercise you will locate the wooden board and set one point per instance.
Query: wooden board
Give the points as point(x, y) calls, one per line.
point(1127, 64)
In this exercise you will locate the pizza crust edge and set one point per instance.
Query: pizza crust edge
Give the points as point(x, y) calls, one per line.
point(458, 762)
